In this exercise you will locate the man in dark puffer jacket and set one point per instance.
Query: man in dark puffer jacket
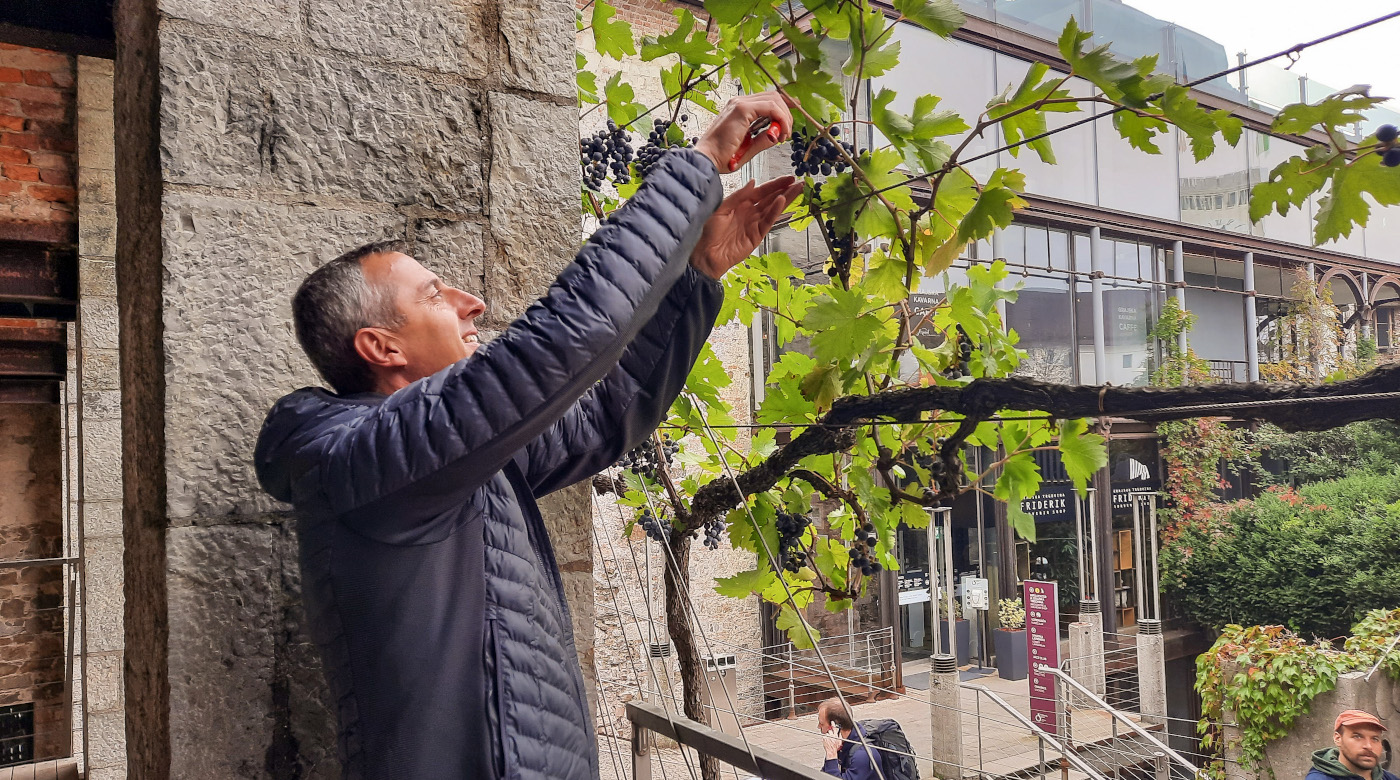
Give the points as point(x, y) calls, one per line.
point(430, 584)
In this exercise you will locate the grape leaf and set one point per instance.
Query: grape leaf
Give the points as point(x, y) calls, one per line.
point(1345, 205)
point(1082, 453)
point(885, 277)
point(586, 80)
point(1019, 480)
point(1139, 130)
point(686, 41)
point(799, 632)
point(940, 17)
point(812, 86)
point(1291, 182)
point(842, 329)
point(1030, 122)
point(612, 37)
point(1131, 83)
point(1198, 124)
point(622, 104)
point(1341, 108)
point(730, 11)
point(994, 208)
point(745, 583)
point(867, 61)
point(822, 386)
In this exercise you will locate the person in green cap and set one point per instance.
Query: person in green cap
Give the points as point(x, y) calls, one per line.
point(1358, 750)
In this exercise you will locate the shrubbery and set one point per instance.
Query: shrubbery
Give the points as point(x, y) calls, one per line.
point(1314, 559)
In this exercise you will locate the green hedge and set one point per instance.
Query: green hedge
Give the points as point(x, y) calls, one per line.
point(1315, 560)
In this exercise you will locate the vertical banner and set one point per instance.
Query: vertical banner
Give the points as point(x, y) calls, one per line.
point(1042, 649)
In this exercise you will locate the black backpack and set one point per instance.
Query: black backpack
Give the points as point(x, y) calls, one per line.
point(896, 754)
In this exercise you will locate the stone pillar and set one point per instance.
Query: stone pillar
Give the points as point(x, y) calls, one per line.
point(255, 142)
point(1098, 261)
point(1085, 661)
point(1090, 613)
point(1251, 320)
point(1179, 281)
point(99, 425)
point(945, 705)
point(1152, 671)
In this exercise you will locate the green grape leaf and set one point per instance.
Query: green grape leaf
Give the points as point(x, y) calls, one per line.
point(1130, 83)
point(1021, 521)
point(833, 560)
point(885, 277)
point(800, 633)
point(1345, 205)
point(914, 135)
point(730, 12)
point(622, 103)
point(1339, 109)
point(1139, 131)
point(745, 583)
point(585, 79)
point(914, 516)
point(868, 61)
point(1199, 125)
point(1290, 184)
point(842, 329)
point(813, 87)
point(940, 17)
point(829, 16)
point(1030, 122)
point(1019, 480)
point(1082, 453)
point(687, 41)
point(612, 37)
point(805, 44)
point(995, 207)
point(822, 386)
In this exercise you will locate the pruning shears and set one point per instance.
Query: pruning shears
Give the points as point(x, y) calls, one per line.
point(761, 126)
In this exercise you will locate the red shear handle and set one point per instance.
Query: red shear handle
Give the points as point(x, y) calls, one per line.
point(772, 131)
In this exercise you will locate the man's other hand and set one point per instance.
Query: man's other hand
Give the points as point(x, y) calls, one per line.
point(726, 135)
point(831, 743)
point(740, 223)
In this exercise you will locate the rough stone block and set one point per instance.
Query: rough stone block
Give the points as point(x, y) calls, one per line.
point(102, 473)
point(225, 613)
point(443, 35)
point(102, 519)
point(108, 773)
point(231, 269)
point(97, 229)
point(105, 602)
point(97, 277)
point(101, 369)
point(99, 322)
point(272, 18)
point(534, 203)
point(531, 31)
point(94, 85)
point(97, 146)
point(311, 717)
point(104, 681)
point(96, 185)
point(107, 742)
point(456, 251)
point(242, 116)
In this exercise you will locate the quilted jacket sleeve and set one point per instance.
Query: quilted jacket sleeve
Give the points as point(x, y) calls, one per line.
point(431, 443)
point(623, 409)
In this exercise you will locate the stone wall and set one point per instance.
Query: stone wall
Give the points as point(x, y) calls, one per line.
point(256, 141)
point(37, 141)
point(32, 598)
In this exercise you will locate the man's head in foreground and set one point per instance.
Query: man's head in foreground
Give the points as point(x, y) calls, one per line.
point(1358, 738)
point(833, 712)
point(374, 319)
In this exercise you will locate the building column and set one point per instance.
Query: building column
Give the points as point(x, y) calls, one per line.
point(1152, 671)
point(1179, 280)
point(1096, 263)
point(254, 143)
point(945, 710)
point(1251, 320)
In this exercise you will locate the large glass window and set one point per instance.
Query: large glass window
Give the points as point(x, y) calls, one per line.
point(1084, 310)
point(1131, 32)
point(1043, 313)
point(1128, 312)
point(1214, 191)
point(1041, 18)
point(1072, 177)
point(1135, 181)
point(1383, 234)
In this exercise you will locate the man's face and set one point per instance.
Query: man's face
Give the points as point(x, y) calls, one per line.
point(823, 725)
point(1360, 745)
point(438, 322)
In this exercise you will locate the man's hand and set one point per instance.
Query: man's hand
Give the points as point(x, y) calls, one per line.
point(727, 133)
point(831, 740)
point(740, 223)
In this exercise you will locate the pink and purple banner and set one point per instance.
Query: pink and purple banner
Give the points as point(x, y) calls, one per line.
point(1042, 649)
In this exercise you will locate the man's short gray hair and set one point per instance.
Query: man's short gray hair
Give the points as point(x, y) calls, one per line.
point(332, 305)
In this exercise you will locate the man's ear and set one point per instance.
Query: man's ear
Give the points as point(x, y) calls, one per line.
point(379, 348)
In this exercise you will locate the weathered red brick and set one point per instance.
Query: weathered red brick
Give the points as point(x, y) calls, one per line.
point(9, 187)
point(38, 78)
point(50, 111)
point(49, 160)
point(20, 172)
point(20, 140)
point(35, 94)
point(46, 192)
point(26, 58)
point(15, 123)
point(52, 176)
point(11, 75)
point(58, 144)
point(9, 154)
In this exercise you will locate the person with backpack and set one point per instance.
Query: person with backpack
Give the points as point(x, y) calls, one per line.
point(850, 757)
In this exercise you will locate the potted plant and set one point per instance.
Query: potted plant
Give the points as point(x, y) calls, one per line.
point(1010, 639)
point(962, 642)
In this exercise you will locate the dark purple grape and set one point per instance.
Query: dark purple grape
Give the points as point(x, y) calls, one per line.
point(1386, 134)
point(1391, 158)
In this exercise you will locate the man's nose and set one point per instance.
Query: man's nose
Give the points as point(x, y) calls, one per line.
point(468, 306)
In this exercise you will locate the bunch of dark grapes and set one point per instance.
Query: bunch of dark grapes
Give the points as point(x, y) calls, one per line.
point(843, 247)
point(657, 144)
point(605, 154)
point(863, 551)
point(1387, 134)
point(819, 155)
point(658, 529)
point(961, 368)
point(642, 460)
point(713, 528)
point(790, 531)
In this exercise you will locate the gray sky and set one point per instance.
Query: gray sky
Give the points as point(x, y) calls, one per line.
point(1262, 27)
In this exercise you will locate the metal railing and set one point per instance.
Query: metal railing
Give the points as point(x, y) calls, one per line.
point(1157, 747)
point(862, 663)
point(1229, 371)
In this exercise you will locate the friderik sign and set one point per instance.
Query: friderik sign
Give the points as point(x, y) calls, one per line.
point(1053, 503)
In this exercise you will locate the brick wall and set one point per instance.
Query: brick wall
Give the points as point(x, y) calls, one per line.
point(38, 138)
point(31, 599)
point(652, 17)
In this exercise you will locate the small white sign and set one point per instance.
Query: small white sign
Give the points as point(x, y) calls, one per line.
point(975, 594)
point(914, 596)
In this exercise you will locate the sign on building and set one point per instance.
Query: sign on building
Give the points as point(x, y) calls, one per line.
point(1042, 649)
point(914, 587)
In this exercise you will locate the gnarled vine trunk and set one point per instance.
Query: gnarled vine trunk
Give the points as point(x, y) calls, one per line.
point(687, 652)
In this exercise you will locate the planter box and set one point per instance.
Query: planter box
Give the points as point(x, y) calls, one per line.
point(1011, 653)
point(962, 645)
